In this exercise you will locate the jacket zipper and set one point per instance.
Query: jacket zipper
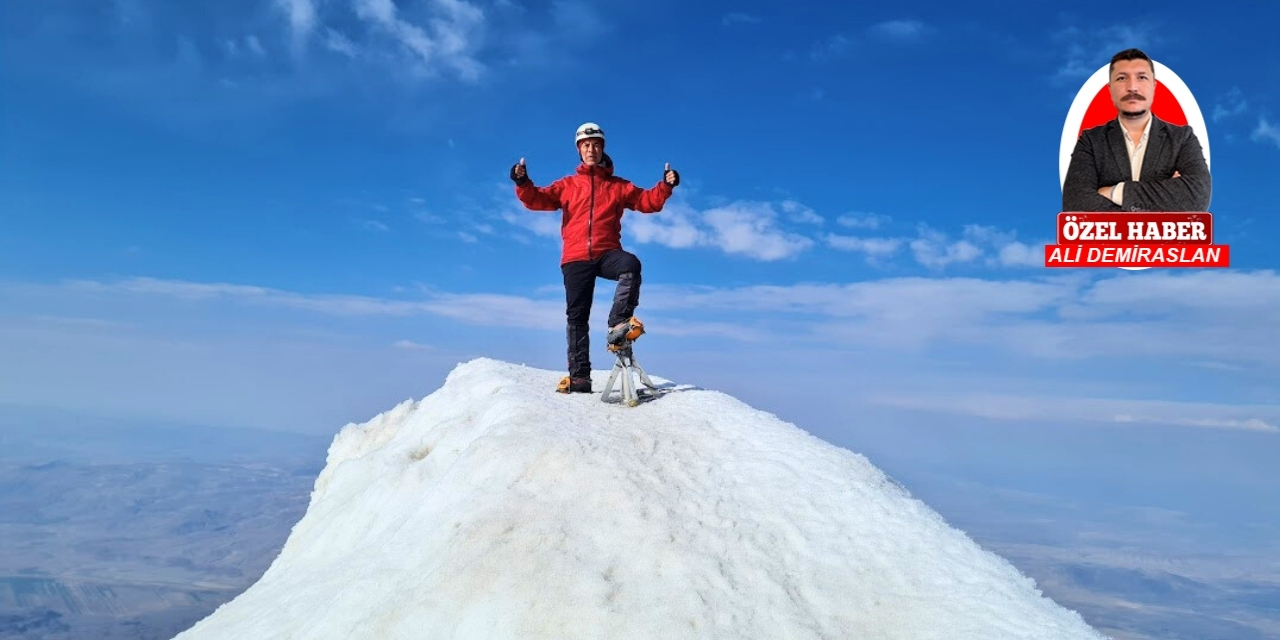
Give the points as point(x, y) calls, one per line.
point(592, 218)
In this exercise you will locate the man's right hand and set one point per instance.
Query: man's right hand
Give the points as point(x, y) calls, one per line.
point(519, 174)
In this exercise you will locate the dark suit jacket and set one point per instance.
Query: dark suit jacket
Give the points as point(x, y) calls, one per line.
point(1101, 159)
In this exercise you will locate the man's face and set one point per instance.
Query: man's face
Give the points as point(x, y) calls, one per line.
point(1133, 85)
point(591, 150)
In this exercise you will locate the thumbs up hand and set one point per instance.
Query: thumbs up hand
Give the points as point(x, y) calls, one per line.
point(519, 174)
point(670, 176)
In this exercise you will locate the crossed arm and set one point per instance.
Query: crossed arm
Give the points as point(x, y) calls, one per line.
point(1081, 191)
point(1188, 189)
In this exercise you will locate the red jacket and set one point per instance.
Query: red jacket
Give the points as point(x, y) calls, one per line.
point(593, 201)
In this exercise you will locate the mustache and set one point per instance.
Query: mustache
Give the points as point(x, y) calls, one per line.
point(1135, 95)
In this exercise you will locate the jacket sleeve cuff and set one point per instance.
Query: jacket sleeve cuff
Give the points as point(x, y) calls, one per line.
point(1117, 194)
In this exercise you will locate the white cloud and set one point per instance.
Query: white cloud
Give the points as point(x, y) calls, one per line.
point(253, 44)
point(381, 11)
point(171, 288)
point(678, 327)
point(900, 311)
point(894, 30)
point(1248, 424)
point(1219, 366)
point(1194, 296)
point(933, 249)
point(1016, 254)
point(987, 234)
point(1096, 410)
point(1223, 317)
point(1266, 132)
point(410, 345)
point(374, 225)
point(1007, 250)
point(902, 30)
point(451, 40)
point(545, 224)
point(935, 301)
point(750, 229)
point(756, 229)
point(250, 45)
point(1235, 105)
point(875, 248)
point(863, 220)
point(302, 19)
point(936, 250)
point(1100, 328)
point(799, 213)
point(481, 309)
point(1090, 47)
point(338, 43)
point(674, 228)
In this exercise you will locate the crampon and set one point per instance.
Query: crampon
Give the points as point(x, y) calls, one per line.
point(625, 372)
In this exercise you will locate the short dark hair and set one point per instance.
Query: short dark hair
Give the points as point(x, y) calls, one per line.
point(1130, 54)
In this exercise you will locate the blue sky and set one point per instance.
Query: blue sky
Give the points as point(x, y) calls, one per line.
point(294, 213)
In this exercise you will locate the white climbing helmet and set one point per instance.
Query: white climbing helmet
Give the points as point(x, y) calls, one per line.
point(588, 130)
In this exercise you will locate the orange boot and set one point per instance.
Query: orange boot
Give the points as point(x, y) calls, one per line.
point(574, 385)
point(624, 332)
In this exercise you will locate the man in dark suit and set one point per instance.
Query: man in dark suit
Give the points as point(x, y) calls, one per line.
point(1136, 162)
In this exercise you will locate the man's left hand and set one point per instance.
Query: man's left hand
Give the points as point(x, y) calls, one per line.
point(670, 176)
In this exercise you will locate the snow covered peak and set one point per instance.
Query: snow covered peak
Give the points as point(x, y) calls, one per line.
point(496, 508)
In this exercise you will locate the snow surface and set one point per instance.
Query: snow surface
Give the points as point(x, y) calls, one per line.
point(497, 508)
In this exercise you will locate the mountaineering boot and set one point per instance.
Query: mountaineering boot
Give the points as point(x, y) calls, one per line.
point(574, 385)
point(624, 332)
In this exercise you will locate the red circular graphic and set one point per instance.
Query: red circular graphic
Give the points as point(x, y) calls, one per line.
point(1164, 105)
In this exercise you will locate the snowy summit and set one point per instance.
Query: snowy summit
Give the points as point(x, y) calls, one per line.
point(497, 508)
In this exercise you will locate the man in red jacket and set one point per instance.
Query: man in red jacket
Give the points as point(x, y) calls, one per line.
point(593, 200)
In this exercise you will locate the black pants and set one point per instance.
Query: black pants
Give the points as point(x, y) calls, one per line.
point(579, 290)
